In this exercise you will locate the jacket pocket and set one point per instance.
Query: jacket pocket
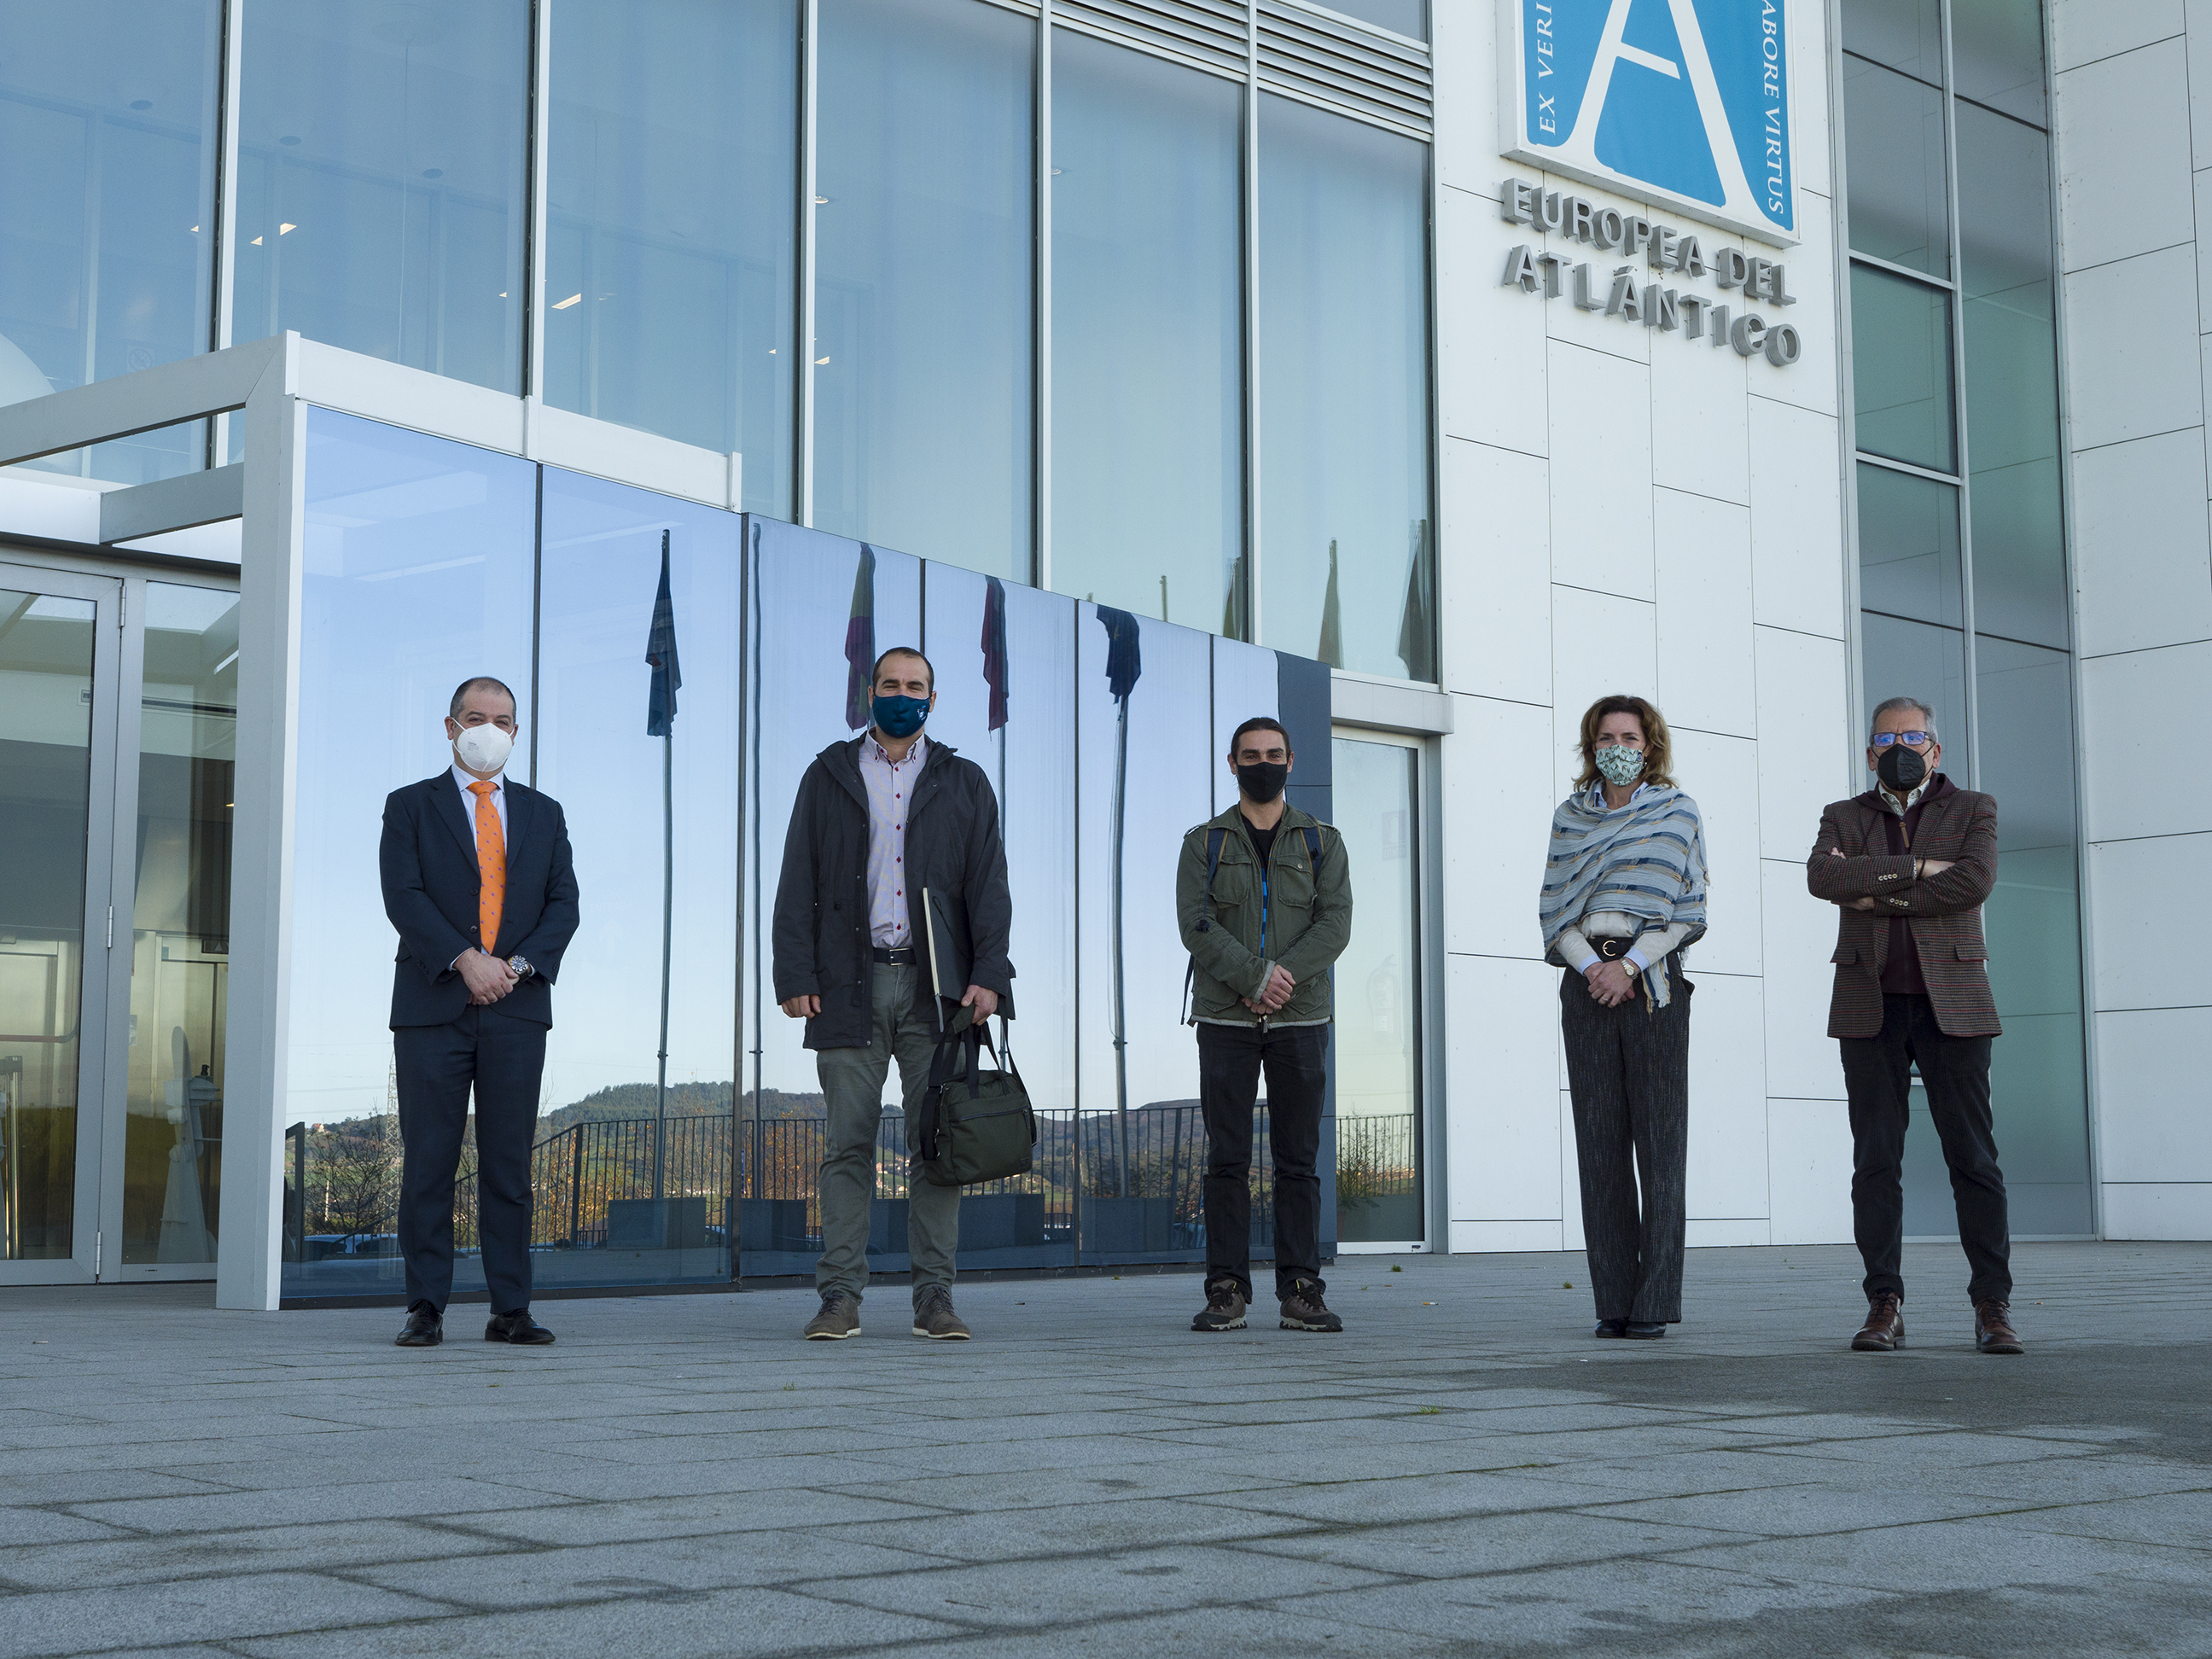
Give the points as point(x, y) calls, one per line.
point(1973, 952)
point(1846, 953)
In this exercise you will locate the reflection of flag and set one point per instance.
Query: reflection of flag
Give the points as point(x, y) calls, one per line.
point(660, 655)
point(1331, 649)
point(860, 643)
point(995, 665)
point(1124, 663)
point(1417, 631)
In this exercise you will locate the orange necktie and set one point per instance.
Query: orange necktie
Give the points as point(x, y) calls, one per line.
point(491, 868)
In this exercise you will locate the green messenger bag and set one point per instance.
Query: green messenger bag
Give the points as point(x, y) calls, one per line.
point(975, 1125)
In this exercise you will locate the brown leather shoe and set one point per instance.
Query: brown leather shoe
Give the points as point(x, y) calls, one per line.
point(1993, 1331)
point(1885, 1324)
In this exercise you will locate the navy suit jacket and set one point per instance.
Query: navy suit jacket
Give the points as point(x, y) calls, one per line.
point(428, 863)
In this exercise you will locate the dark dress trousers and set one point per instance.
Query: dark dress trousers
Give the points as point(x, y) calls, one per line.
point(1885, 1028)
point(445, 1046)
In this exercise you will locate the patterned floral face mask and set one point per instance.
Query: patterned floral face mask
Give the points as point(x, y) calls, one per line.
point(1619, 765)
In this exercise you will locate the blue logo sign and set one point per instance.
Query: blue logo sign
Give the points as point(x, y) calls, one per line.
point(1683, 100)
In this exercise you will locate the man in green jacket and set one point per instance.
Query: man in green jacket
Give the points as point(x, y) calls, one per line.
point(1264, 898)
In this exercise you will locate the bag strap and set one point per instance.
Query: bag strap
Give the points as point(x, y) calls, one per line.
point(1313, 847)
point(1213, 838)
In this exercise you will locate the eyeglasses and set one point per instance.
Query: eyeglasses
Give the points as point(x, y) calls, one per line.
point(1910, 739)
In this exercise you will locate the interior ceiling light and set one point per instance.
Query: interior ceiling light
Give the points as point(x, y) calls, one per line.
point(256, 241)
point(818, 361)
point(286, 230)
point(563, 305)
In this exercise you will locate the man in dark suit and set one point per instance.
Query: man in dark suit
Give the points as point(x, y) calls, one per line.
point(1909, 864)
point(478, 881)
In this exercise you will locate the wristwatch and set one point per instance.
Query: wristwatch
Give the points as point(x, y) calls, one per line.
point(521, 966)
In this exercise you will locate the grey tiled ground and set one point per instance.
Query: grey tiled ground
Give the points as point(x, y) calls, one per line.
point(1464, 1472)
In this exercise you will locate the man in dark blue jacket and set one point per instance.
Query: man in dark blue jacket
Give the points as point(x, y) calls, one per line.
point(478, 883)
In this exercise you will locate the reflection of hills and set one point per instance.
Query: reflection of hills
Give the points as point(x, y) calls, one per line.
point(636, 1100)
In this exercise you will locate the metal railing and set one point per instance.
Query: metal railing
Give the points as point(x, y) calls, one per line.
point(341, 1189)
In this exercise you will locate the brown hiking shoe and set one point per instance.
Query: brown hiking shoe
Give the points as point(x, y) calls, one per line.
point(934, 1316)
point(1224, 1310)
point(840, 1318)
point(1993, 1331)
point(1885, 1324)
point(1303, 1309)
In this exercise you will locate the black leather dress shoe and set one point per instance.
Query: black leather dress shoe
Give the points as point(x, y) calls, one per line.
point(1611, 1328)
point(517, 1327)
point(424, 1328)
point(1644, 1330)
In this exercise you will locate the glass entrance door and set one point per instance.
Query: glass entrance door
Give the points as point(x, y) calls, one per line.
point(59, 650)
point(118, 733)
point(1381, 1194)
point(176, 741)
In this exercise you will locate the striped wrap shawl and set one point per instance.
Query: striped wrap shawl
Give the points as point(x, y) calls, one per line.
point(1646, 858)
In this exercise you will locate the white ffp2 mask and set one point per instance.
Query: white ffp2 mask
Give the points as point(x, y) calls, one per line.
point(483, 748)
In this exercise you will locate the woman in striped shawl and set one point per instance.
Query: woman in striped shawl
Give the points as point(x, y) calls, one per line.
point(1624, 896)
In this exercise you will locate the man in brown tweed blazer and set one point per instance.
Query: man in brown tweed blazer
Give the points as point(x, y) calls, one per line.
point(1908, 865)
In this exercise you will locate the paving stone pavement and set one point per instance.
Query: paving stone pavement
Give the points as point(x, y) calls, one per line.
point(1464, 1471)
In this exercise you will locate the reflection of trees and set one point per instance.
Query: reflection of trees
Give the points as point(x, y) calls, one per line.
point(353, 1176)
point(1374, 1159)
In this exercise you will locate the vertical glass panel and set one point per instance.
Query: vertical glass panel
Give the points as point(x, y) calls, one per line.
point(1344, 394)
point(108, 126)
point(2012, 379)
point(671, 198)
point(418, 575)
point(653, 824)
point(1147, 766)
point(1996, 55)
point(924, 265)
point(2036, 1072)
point(1898, 179)
point(1905, 34)
point(1007, 653)
point(1901, 369)
point(1378, 1000)
point(1406, 17)
point(1916, 660)
point(1148, 321)
point(381, 159)
point(180, 925)
point(1909, 546)
point(45, 782)
point(814, 598)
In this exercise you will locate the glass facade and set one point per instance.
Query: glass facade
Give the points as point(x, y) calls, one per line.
point(672, 225)
point(948, 276)
point(1344, 520)
point(1961, 536)
point(1147, 335)
point(108, 127)
point(380, 194)
point(924, 219)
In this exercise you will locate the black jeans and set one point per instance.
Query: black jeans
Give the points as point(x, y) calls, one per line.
point(503, 1060)
point(1955, 1071)
point(1229, 1059)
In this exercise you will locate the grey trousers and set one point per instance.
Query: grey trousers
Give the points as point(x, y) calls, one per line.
point(1628, 1069)
point(852, 1092)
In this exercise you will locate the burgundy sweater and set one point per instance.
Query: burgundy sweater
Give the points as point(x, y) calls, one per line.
point(1900, 974)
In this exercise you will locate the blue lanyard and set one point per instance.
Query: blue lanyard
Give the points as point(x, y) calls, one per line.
point(1263, 908)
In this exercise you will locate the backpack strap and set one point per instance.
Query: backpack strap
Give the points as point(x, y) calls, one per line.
point(1213, 838)
point(1313, 847)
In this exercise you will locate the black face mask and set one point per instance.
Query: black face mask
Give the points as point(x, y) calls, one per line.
point(1903, 769)
point(1263, 780)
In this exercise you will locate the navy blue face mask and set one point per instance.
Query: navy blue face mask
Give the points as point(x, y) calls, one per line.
point(899, 717)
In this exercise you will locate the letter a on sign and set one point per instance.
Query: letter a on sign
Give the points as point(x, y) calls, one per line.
point(1684, 101)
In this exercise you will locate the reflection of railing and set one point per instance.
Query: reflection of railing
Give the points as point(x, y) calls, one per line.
point(578, 1174)
point(342, 1186)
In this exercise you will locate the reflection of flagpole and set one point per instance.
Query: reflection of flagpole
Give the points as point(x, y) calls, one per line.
point(1124, 664)
point(661, 722)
